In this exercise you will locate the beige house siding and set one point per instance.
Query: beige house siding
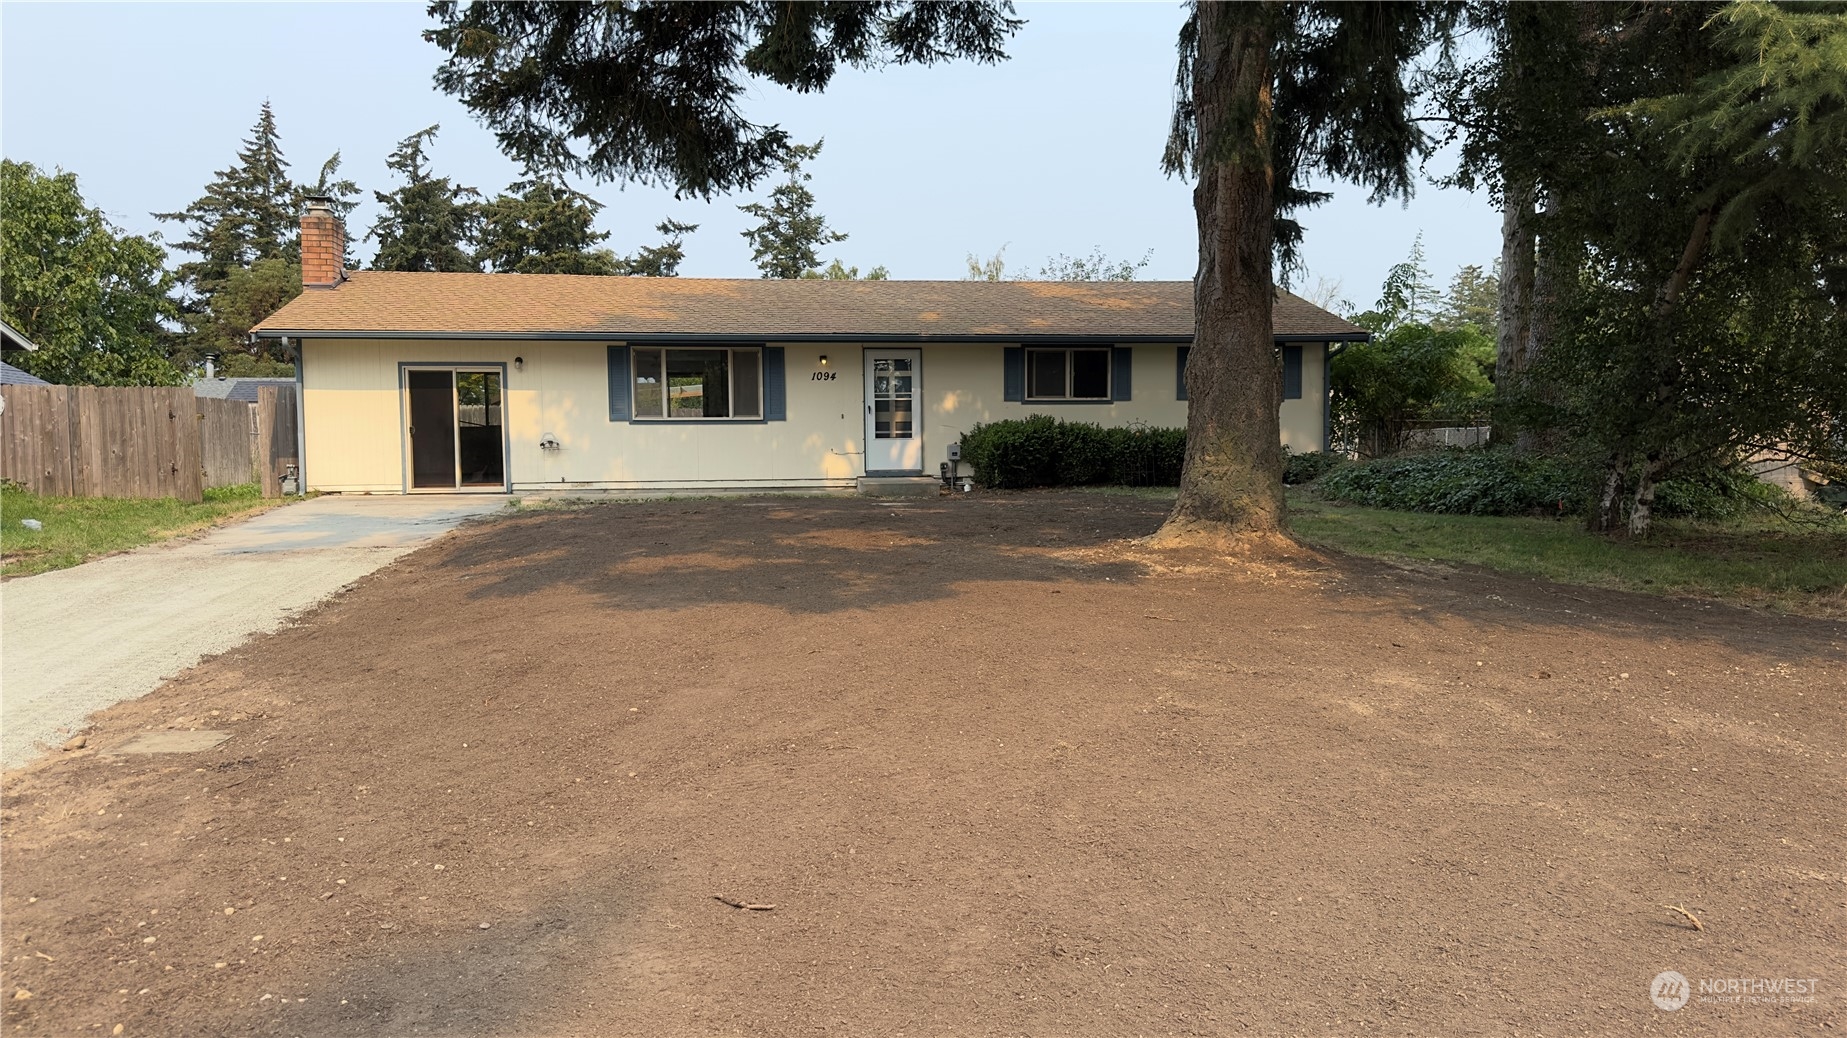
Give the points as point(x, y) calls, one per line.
point(355, 427)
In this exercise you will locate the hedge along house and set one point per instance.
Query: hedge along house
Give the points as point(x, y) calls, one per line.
point(501, 382)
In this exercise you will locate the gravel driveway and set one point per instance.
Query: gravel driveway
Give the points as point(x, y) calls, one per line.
point(77, 640)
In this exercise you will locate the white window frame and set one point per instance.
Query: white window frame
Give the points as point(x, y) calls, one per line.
point(731, 375)
point(1109, 369)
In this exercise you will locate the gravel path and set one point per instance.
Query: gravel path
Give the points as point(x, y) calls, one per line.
point(77, 640)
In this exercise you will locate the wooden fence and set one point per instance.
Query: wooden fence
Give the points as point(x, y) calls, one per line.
point(92, 441)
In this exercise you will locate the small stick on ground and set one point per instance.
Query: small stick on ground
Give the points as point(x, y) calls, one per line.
point(1170, 619)
point(747, 906)
point(1691, 918)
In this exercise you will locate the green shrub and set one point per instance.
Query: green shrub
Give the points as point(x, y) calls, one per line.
point(1042, 451)
point(1459, 482)
point(1718, 494)
point(1308, 467)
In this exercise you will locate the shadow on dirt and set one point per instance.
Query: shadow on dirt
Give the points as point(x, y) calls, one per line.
point(818, 556)
point(804, 556)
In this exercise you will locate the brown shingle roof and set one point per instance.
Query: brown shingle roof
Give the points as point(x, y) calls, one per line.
point(535, 305)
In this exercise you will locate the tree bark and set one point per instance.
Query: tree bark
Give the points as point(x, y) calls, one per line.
point(1516, 299)
point(1232, 479)
point(1642, 511)
point(1604, 518)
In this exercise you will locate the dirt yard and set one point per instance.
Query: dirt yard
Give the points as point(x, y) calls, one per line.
point(1000, 771)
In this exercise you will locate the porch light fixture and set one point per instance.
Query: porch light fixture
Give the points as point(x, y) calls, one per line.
point(519, 363)
point(824, 360)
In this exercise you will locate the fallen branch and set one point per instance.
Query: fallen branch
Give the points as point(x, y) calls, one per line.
point(1691, 918)
point(747, 906)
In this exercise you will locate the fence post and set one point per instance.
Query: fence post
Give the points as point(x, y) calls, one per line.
point(266, 437)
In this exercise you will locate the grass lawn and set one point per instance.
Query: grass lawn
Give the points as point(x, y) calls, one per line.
point(81, 528)
point(1765, 562)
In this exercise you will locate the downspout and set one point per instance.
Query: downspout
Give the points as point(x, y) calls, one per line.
point(301, 423)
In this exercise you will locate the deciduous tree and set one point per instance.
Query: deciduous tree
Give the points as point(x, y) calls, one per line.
point(93, 299)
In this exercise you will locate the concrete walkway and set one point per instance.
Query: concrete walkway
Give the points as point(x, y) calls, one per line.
point(77, 640)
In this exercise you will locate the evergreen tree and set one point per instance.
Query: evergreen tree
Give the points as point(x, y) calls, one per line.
point(247, 213)
point(428, 223)
point(1474, 298)
point(1268, 95)
point(539, 226)
point(786, 243)
point(249, 217)
point(663, 260)
point(343, 193)
point(92, 298)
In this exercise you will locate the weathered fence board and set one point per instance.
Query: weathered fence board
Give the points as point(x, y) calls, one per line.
point(35, 439)
point(92, 441)
point(276, 442)
point(227, 435)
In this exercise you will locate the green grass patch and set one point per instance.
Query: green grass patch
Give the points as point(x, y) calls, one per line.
point(1763, 561)
point(77, 529)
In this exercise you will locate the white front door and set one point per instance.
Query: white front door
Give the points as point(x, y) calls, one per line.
point(894, 426)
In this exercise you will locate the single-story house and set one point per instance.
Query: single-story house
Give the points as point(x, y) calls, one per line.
point(239, 389)
point(503, 382)
point(12, 376)
point(12, 340)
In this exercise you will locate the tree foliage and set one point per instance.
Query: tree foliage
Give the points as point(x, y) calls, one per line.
point(247, 216)
point(92, 298)
point(428, 223)
point(540, 226)
point(663, 260)
point(790, 232)
point(838, 271)
point(1704, 239)
point(1094, 267)
point(1415, 369)
point(651, 91)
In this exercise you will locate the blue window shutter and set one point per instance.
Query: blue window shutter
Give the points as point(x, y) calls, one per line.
point(1292, 372)
point(1180, 374)
point(620, 392)
point(1122, 363)
point(775, 386)
point(1013, 373)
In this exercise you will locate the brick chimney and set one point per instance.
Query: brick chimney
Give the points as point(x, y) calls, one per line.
point(323, 245)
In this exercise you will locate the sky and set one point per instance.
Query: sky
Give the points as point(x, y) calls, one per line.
point(1055, 151)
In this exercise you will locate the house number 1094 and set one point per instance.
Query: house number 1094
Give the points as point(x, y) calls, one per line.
point(822, 376)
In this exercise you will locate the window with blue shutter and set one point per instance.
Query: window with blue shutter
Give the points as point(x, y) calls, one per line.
point(775, 386)
point(1123, 361)
point(1013, 373)
point(619, 410)
point(1292, 372)
point(1180, 373)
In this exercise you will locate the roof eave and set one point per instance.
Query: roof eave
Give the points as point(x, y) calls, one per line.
point(670, 337)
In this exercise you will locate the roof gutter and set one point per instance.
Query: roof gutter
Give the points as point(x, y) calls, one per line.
point(296, 333)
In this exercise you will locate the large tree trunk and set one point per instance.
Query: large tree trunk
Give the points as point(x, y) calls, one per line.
point(1232, 480)
point(1516, 289)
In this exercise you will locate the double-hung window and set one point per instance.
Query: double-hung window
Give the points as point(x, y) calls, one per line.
point(1075, 373)
point(713, 382)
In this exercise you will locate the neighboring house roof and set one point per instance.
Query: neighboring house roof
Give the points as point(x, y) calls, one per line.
point(10, 339)
point(12, 376)
point(243, 390)
point(390, 304)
